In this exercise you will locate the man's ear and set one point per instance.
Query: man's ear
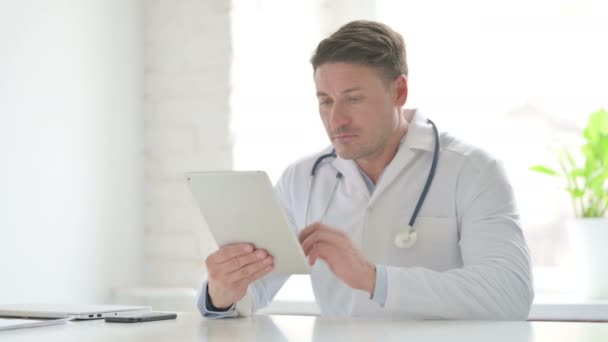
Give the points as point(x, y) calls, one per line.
point(400, 90)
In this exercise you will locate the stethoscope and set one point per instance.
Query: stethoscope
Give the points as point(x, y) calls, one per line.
point(404, 239)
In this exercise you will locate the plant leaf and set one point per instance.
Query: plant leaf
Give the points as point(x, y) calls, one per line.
point(569, 158)
point(597, 125)
point(576, 192)
point(545, 170)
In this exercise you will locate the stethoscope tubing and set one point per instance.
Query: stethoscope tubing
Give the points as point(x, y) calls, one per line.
point(411, 234)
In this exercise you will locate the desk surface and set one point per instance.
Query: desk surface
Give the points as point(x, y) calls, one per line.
point(191, 327)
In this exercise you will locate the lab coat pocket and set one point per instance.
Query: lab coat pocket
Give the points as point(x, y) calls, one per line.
point(436, 245)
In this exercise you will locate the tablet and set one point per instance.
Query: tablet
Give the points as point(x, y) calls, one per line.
point(241, 206)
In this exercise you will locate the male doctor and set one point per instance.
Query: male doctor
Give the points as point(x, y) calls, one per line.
point(464, 257)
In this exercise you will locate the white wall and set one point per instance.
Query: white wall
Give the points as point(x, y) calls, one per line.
point(187, 60)
point(70, 150)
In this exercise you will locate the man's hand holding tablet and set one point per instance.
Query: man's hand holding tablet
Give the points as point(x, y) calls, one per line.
point(232, 268)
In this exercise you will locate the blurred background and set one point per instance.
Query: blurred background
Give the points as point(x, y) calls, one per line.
point(104, 104)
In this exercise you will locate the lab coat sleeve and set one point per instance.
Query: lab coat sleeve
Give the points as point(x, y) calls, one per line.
point(379, 294)
point(495, 281)
point(205, 307)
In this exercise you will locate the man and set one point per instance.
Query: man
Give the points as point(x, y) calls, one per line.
point(464, 257)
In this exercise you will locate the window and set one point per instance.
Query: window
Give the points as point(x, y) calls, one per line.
point(527, 73)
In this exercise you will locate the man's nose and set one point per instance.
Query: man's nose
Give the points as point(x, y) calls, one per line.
point(339, 117)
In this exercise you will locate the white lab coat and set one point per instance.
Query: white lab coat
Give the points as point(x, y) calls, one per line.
point(470, 261)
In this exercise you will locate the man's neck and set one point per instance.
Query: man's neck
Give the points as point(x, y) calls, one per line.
point(373, 165)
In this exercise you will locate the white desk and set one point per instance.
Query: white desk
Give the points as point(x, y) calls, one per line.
point(544, 309)
point(191, 327)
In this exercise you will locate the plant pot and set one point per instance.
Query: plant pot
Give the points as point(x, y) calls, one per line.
point(589, 246)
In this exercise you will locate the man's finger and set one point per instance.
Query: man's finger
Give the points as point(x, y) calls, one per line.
point(317, 236)
point(257, 275)
point(231, 251)
point(242, 261)
point(327, 235)
point(247, 271)
point(320, 250)
point(309, 230)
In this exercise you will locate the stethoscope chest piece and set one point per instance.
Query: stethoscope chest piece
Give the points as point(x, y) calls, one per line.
point(406, 239)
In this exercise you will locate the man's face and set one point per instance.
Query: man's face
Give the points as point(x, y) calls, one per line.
point(359, 111)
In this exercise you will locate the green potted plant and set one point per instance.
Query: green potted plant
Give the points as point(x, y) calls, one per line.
point(587, 184)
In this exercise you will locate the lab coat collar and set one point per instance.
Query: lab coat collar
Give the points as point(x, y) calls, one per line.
point(419, 136)
point(352, 179)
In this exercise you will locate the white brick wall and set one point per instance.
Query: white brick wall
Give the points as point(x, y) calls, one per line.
point(187, 57)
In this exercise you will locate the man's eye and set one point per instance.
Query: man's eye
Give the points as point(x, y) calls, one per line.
point(355, 99)
point(325, 102)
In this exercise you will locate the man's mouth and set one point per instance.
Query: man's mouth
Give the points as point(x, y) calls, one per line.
point(343, 137)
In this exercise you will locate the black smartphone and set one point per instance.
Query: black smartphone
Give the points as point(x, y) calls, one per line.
point(144, 317)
